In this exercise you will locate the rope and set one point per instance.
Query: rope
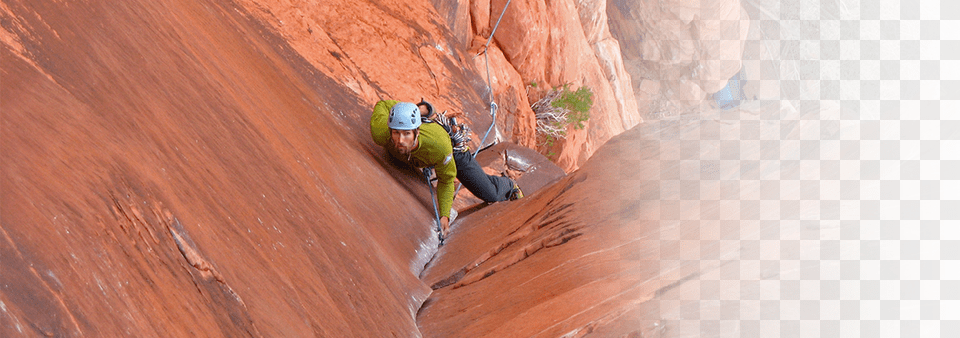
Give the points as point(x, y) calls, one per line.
point(493, 104)
point(493, 122)
point(436, 212)
point(486, 58)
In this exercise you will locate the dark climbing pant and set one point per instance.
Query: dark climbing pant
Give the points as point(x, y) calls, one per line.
point(486, 187)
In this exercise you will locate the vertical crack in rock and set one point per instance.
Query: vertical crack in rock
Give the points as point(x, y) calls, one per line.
point(145, 229)
point(189, 252)
point(207, 271)
point(192, 255)
point(135, 223)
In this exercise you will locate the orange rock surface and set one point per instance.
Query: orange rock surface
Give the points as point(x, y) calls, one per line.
point(175, 169)
point(411, 49)
point(567, 42)
point(667, 231)
point(204, 169)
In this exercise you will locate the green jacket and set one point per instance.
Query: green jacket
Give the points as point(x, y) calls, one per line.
point(434, 150)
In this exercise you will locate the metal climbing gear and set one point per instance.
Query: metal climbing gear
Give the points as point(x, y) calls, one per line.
point(459, 137)
point(433, 197)
point(493, 103)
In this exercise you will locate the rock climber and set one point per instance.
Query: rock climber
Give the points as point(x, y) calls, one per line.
point(416, 135)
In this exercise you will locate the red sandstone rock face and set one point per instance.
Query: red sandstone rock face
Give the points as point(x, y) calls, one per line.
point(175, 169)
point(409, 49)
point(205, 168)
point(181, 170)
point(664, 232)
point(566, 42)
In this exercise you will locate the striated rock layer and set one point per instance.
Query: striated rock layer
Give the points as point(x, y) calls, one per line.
point(675, 228)
point(175, 169)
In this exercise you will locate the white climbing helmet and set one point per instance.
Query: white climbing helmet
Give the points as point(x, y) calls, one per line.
point(404, 116)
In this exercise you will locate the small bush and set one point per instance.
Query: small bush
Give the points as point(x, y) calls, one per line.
point(577, 103)
point(560, 108)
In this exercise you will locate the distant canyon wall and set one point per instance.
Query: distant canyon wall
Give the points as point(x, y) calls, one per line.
point(677, 52)
point(544, 44)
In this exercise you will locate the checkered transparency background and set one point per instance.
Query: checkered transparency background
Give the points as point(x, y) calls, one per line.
point(857, 232)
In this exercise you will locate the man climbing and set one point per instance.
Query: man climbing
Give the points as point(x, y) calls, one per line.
point(408, 134)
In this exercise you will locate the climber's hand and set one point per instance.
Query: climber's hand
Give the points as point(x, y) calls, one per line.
point(444, 226)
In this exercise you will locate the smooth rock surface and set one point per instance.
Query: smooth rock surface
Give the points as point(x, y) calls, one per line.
point(205, 169)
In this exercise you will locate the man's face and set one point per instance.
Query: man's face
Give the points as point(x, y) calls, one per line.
point(405, 140)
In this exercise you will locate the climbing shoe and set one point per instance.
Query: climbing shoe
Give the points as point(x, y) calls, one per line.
point(515, 193)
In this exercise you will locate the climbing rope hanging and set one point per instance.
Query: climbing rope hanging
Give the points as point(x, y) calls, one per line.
point(493, 103)
point(493, 122)
point(433, 197)
point(486, 58)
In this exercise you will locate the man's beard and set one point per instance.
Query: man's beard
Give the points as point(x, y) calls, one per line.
point(406, 150)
